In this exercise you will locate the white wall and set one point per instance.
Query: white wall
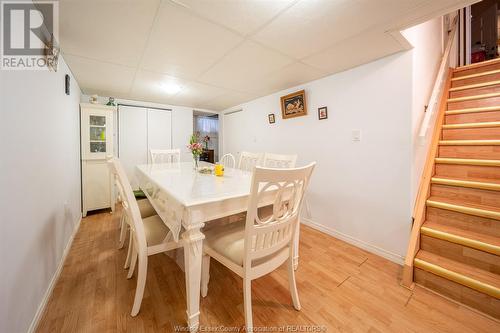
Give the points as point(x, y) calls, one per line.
point(360, 191)
point(39, 187)
point(182, 121)
point(427, 40)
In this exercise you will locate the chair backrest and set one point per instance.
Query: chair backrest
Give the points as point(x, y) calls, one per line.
point(279, 161)
point(165, 156)
point(248, 161)
point(228, 161)
point(268, 236)
point(129, 203)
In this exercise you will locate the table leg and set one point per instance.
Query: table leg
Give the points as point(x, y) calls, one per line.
point(193, 252)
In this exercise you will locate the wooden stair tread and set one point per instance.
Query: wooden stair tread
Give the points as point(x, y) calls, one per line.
point(476, 85)
point(470, 98)
point(467, 161)
point(469, 142)
point(479, 183)
point(472, 125)
point(476, 65)
point(473, 110)
point(467, 275)
point(479, 241)
point(466, 207)
point(471, 76)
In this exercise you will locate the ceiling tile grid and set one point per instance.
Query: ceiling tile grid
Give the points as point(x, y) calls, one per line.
point(214, 54)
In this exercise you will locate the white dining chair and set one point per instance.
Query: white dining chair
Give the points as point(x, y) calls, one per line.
point(148, 236)
point(145, 208)
point(255, 247)
point(228, 161)
point(278, 161)
point(248, 161)
point(165, 156)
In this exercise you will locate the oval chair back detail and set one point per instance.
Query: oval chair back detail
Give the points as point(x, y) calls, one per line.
point(279, 161)
point(248, 161)
point(228, 161)
point(257, 246)
point(165, 156)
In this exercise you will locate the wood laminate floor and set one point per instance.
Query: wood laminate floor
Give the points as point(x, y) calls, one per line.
point(342, 289)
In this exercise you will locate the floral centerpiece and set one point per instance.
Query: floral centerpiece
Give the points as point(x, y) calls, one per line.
point(196, 149)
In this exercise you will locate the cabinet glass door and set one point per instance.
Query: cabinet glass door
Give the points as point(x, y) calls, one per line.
point(97, 128)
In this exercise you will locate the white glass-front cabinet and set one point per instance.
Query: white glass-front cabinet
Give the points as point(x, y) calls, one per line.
point(97, 144)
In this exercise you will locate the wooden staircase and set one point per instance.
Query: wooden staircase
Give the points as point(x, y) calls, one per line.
point(458, 242)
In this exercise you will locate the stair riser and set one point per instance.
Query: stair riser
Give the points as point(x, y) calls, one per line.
point(471, 152)
point(467, 195)
point(476, 70)
point(468, 172)
point(475, 91)
point(485, 133)
point(475, 103)
point(476, 117)
point(463, 221)
point(475, 80)
point(458, 292)
point(473, 257)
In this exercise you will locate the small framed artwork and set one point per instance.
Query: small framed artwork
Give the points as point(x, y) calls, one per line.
point(271, 118)
point(322, 113)
point(294, 105)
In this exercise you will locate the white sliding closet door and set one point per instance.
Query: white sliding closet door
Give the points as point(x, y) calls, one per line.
point(133, 137)
point(159, 130)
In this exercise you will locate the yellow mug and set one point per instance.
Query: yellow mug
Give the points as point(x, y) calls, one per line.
point(219, 170)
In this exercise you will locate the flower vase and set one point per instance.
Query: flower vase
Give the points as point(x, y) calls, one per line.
point(195, 164)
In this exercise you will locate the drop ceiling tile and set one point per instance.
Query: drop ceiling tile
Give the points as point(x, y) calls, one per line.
point(100, 77)
point(362, 49)
point(106, 30)
point(290, 76)
point(150, 86)
point(185, 45)
point(228, 100)
point(244, 66)
point(310, 26)
point(242, 16)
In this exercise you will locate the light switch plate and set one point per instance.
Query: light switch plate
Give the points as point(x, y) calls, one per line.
point(356, 135)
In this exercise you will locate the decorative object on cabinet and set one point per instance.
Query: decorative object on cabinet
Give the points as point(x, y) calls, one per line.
point(93, 99)
point(271, 118)
point(66, 84)
point(294, 105)
point(322, 113)
point(111, 102)
point(97, 144)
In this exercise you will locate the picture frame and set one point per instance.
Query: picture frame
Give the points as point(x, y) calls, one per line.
point(271, 118)
point(322, 113)
point(294, 105)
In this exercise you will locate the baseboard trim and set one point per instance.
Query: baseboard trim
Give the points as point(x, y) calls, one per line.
point(396, 258)
point(53, 281)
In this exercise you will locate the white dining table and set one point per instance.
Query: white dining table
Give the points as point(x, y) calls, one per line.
point(185, 200)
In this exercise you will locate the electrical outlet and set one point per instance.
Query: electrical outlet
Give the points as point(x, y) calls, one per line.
point(356, 135)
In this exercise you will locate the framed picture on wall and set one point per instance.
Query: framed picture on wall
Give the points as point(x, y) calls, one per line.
point(322, 113)
point(294, 105)
point(271, 118)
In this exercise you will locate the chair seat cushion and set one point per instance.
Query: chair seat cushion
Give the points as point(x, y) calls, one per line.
point(146, 208)
point(155, 230)
point(228, 240)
